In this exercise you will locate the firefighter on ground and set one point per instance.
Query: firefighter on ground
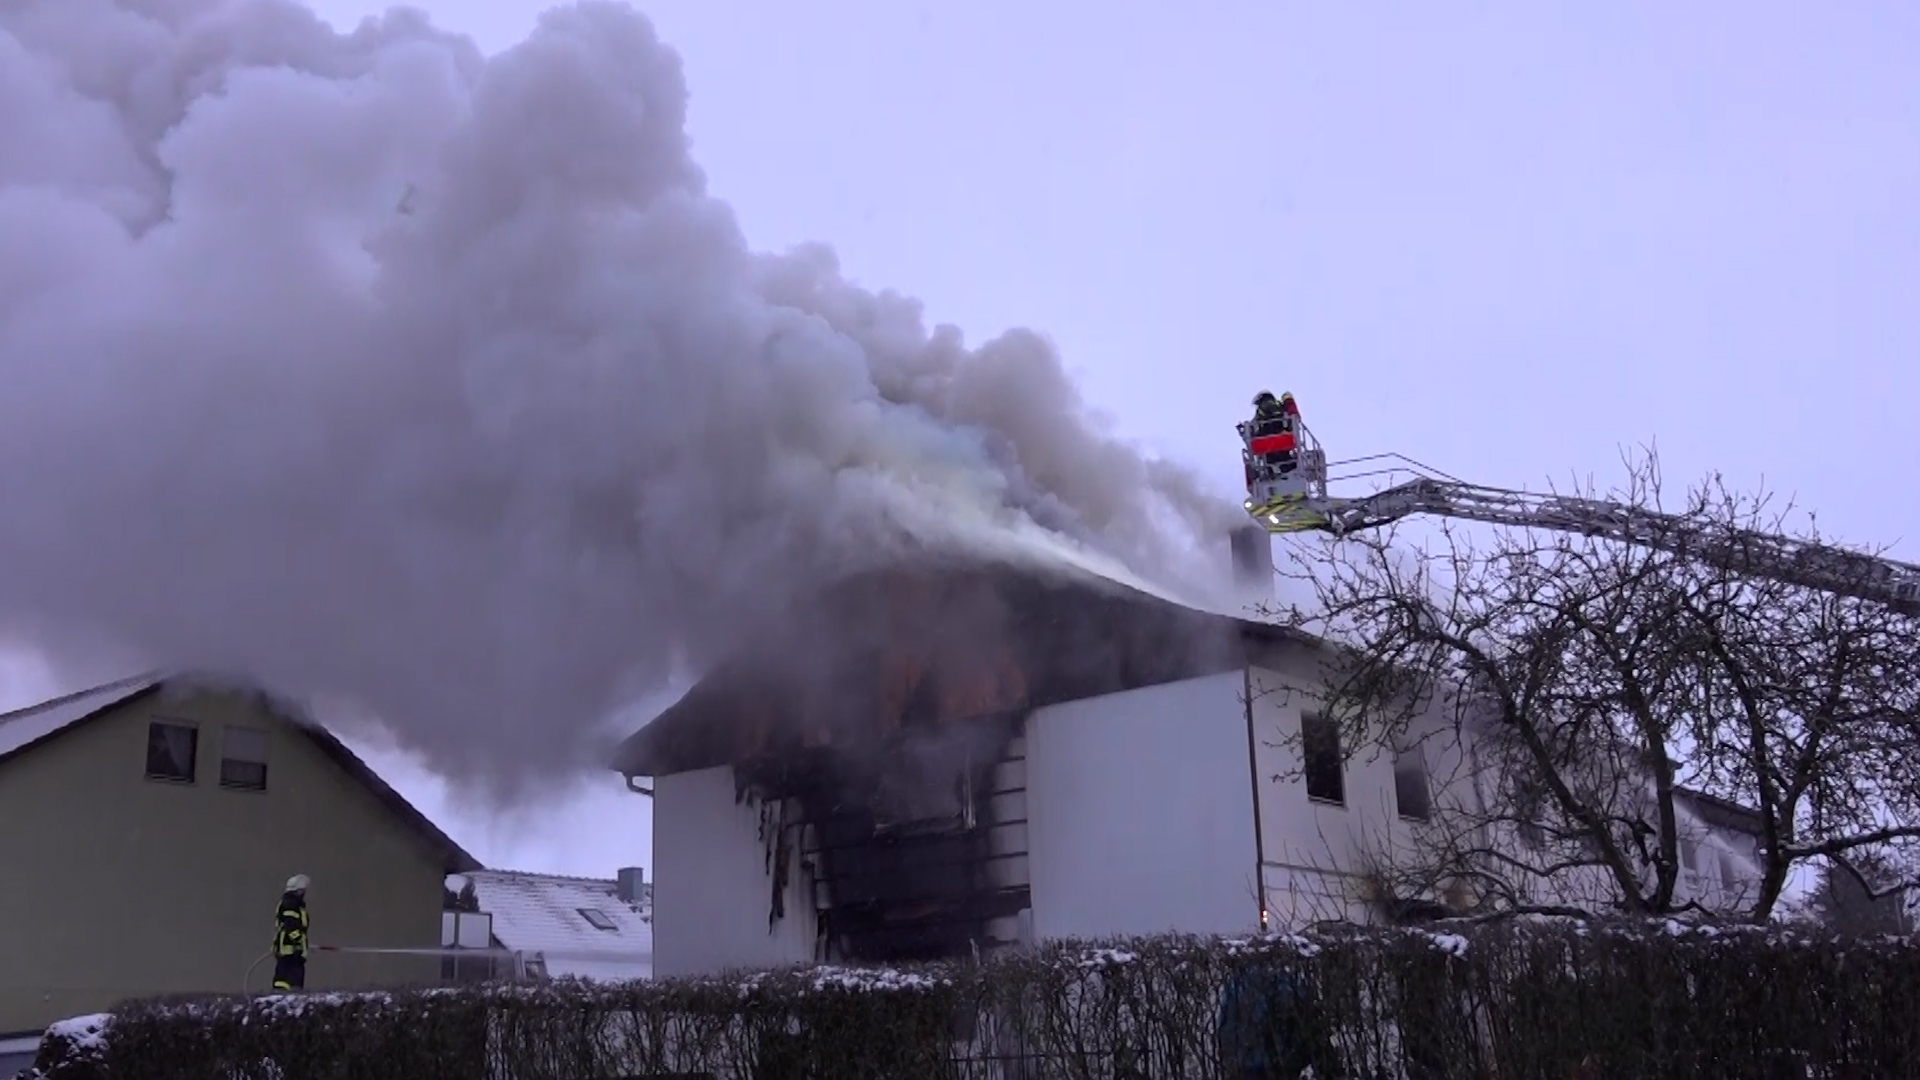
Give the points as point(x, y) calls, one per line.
point(290, 936)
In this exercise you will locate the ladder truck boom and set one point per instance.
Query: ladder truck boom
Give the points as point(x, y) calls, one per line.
point(1287, 493)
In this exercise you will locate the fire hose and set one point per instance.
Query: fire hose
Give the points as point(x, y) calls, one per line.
point(246, 981)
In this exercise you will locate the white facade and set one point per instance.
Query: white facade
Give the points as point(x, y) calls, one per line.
point(712, 896)
point(1323, 859)
point(1178, 807)
point(1316, 851)
point(1140, 813)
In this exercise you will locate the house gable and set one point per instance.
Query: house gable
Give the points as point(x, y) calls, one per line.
point(27, 731)
point(147, 886)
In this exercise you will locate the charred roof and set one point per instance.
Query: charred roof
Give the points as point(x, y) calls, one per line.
point(881, 654)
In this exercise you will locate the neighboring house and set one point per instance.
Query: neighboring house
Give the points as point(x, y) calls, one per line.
point(1720, 855)
point(148, 826)
point(562, 927)
point(950, 757)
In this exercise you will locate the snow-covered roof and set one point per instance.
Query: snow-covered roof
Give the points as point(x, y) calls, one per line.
point(24, 727)
point(553, 918)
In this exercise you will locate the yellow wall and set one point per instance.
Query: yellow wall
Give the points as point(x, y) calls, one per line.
point(115, 886)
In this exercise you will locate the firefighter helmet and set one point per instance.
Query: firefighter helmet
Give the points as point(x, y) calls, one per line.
point(298, 883)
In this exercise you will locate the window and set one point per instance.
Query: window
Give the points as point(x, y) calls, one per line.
point(1529, 813)
point(597, 918)
point(171, 749)
point(1410, 784)
point(1324, 768)
point(1689, 854)
point(467, 930)
point(243, 759)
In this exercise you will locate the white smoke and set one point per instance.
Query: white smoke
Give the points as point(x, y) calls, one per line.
point(379, 369)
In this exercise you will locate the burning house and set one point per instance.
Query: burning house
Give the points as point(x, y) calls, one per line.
point(950, 758)
point(942, 758)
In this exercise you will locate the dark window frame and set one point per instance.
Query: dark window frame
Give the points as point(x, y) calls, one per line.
point(156, 741)
point(1530, 815)
point(1533, 834)
point(1323, 767)
point(248, 782)
point(1410, 774)
point(599, 920)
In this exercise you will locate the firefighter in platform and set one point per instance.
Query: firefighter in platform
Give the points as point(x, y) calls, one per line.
point(1276, 423)
point(290, 936)
point(1271, 414)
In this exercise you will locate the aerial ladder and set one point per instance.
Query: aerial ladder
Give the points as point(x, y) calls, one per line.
point(1287, 493)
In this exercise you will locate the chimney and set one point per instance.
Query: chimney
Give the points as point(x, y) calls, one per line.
point(631, 882)
point(1252, 563)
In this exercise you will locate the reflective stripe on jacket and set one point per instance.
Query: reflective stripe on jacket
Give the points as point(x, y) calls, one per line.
point(290, 930)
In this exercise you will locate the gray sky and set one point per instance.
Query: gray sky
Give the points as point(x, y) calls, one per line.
point(1504, 238)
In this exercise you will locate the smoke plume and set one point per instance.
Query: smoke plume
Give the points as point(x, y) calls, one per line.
point(378, 369)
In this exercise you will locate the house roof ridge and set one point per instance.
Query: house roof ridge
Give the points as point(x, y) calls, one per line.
point(541, 875)
point(130, 683)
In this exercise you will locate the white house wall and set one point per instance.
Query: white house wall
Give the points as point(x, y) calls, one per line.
point(712, 894)
point(1315, 855)
point(1140, 813)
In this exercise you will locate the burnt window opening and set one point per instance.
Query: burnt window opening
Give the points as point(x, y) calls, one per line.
point(917, 791)
point(1417, 912)
point(1322, 764)
point(908, 852)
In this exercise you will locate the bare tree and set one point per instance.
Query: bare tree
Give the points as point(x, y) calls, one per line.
point(1594, 687)
point(1866, 894)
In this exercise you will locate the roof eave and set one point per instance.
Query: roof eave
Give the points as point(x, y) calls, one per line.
point(133, 695)
point(458, 860)
point(634, 756)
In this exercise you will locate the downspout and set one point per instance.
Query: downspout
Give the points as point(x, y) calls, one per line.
point(1253, 776)
point(634, 785)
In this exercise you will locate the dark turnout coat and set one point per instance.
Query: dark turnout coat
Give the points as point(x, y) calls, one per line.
point(291, 925)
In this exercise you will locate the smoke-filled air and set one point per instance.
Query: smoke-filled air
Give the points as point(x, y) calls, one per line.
point(383, 371)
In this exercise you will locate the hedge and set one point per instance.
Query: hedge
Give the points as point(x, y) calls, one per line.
point(1518, 1000)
